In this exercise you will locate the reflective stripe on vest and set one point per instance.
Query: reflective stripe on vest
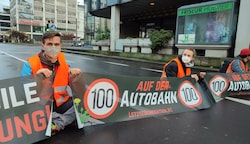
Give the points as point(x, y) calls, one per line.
point(60, 88)
point(243, 66)
point(61, 78)
point(62, 94)
point(180, 72)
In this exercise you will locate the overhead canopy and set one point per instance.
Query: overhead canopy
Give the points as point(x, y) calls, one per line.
point(141, 9)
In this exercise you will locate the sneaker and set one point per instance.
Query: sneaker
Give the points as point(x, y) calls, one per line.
point(54, 129)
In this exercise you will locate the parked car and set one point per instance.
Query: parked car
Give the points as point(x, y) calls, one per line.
point(77, 44)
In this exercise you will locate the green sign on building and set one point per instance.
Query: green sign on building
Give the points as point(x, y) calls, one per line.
point(206, 9)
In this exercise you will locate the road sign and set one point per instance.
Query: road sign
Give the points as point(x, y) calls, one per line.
point(53, 27)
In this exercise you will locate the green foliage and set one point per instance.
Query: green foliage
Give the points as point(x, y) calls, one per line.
point(160, 39)
point(102, 34)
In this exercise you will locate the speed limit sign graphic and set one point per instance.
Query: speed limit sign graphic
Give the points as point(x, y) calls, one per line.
point(189, 96)
point(101, 98)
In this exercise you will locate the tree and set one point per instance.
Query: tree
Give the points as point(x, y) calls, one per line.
point(18, 36)
point(23, 37)
point(102, 34)
point(68, 36)
point(160, 39)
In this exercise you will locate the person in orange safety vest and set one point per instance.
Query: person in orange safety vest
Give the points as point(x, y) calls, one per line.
point(52, 64)
point(181, 66)
point(240, 63)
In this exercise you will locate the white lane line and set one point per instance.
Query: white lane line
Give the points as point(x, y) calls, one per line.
point(80, 57)
point(149, 69)
point(13, 56)
point(114, 63)
point(23, 52)
point(242, 101)
point(86, 58)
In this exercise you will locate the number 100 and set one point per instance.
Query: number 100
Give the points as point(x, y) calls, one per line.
point(103, 98)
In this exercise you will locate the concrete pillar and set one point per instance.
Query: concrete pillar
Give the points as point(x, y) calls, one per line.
point(243, 30)
point(115, 26)
point(17, 16)
point(44, 18)
point(31, 33)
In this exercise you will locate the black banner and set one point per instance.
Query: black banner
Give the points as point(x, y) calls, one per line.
point(233, 85)
point(24, 109)
point(104, 98)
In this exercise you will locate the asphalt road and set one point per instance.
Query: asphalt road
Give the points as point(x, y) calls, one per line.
point(225, 123)
point(14, 56)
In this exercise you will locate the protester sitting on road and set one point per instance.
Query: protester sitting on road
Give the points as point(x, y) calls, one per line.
point(52, 64)
point(240, 63)
point(181, 66)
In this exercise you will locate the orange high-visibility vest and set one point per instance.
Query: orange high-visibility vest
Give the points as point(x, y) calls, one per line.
point(180, 73)
point(61, 79)
point(243, 66)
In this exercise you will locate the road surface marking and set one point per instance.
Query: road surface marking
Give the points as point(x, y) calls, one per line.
point(81, 57)
point(86, 58)
point(13, 56)
point(154, 70)
point(242, 101)
point(114, 63)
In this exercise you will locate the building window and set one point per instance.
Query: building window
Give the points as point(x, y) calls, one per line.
point(50, 1)
point(38, 29)
point(71, 13)
point(61, 10)
point(50, 10)
point(38, 18)
point(208, 24)
point(25, 28)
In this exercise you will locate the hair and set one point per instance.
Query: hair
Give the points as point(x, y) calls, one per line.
point(193, 50)
point(243, 56)
point(50, 34)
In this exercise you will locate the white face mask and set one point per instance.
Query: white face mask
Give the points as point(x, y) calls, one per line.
point(52, 51)
point(185, 59)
